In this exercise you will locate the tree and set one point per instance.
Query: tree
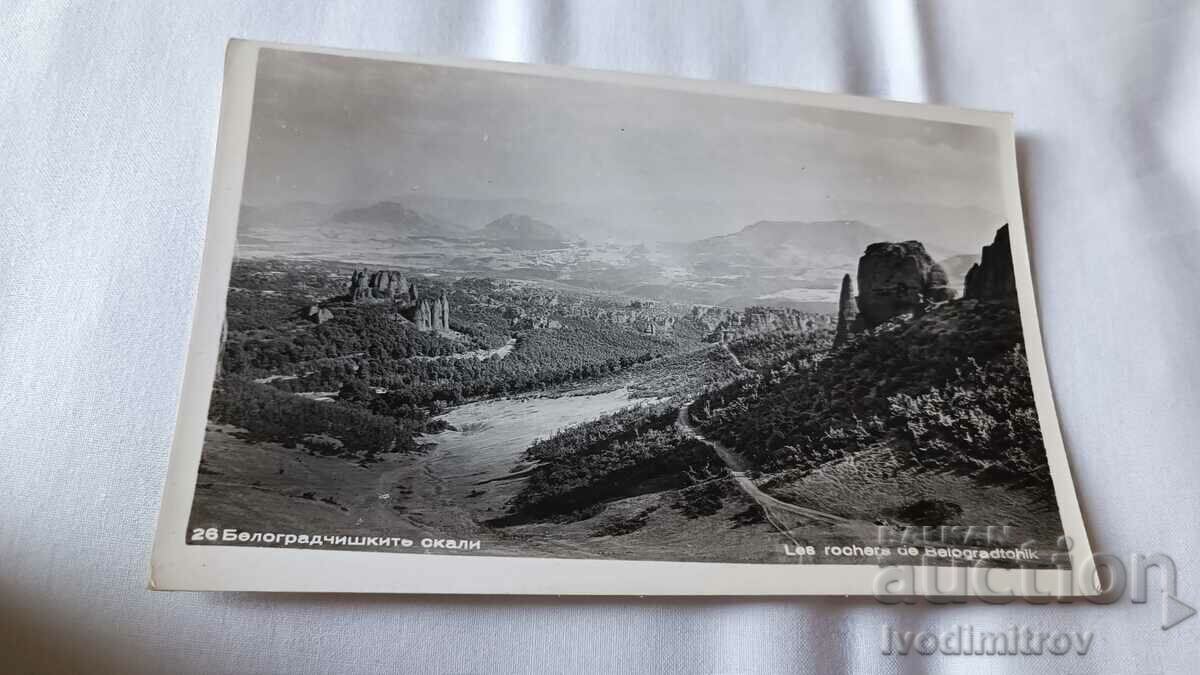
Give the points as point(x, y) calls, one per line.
point(355, 390)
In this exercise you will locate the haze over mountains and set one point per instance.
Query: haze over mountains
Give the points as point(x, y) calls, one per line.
point(787, 243)
point(792, 263)
point(397, 218)
point(523, 232)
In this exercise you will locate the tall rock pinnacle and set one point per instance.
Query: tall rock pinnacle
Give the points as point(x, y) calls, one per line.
point(992, 278)
point(846, 312)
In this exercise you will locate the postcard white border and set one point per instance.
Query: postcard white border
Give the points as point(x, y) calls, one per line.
point(178, 566)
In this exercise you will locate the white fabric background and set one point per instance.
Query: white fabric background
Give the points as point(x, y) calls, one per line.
point(107, 127)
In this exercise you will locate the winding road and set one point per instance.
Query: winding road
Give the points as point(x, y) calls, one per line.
point(737, 465)
point(774, 509)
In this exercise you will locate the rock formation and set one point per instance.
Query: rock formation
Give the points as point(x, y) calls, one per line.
point(441, 312)
point(537, 314)
point(992, 278)
point(710, 317)
point(895, 278)
point(846, 312)
point(756, 320)
point(652, 325)
point(382, 286)
point(317, 314)
point(433, 315)
point(385, 286)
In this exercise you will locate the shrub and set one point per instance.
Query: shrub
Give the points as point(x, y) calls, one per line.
point(983, 420)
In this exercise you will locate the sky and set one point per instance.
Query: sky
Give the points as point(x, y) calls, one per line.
point(669, 165)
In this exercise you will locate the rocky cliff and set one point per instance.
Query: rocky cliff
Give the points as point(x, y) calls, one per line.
point(756, 320)
point(710, 317)
point(317, 314)
point(846, 312)
point(992, 278)
point(386, 286)
point(896, 278)
point(432, 315)
point(382, 286)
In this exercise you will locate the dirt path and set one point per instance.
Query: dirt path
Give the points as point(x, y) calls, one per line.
point(774, 509)
point(738, 465)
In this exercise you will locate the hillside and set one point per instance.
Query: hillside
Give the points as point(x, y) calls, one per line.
point(947, 390)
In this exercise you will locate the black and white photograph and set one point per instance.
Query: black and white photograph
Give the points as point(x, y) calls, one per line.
point(565, 336)
point(492, 313)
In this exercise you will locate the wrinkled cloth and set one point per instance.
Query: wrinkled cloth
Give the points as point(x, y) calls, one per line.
point(107, 128)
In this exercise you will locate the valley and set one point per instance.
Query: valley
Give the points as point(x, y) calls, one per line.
point(516, 385)
point(783, 263)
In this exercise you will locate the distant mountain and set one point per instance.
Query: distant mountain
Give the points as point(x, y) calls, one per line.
point(779, 262)
point(788, 244)
point(476, 212)
point(956, 267)
point(394, 218)
point(520, 231)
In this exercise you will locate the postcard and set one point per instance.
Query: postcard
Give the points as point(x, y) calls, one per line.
point(474, 327)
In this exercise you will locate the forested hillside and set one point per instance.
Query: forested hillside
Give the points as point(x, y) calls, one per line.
point(631, 452)
point(949, 390)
